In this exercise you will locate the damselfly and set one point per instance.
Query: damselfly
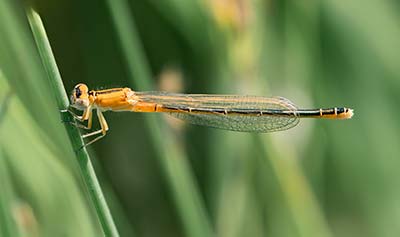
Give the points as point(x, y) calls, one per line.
point(230, 112)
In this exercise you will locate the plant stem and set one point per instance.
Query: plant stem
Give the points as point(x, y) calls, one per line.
point(87, 171)
point(307, 215)
point(170, 153)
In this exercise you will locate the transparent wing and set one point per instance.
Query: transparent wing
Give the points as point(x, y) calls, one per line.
point(239, 122)
point(230, 112)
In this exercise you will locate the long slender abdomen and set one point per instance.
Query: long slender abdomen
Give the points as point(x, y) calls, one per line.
point(331, 113)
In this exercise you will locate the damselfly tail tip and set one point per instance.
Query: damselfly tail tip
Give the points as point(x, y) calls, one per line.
point(348, 113)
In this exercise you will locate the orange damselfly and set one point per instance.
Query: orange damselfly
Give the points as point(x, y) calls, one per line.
point(230, 112)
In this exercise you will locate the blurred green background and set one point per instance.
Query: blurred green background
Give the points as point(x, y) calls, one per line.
point(321, 178)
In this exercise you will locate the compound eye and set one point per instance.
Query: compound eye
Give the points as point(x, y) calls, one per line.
point(78, 92)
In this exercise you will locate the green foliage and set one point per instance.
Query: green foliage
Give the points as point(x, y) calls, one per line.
point(82, 156)
point(163, 178)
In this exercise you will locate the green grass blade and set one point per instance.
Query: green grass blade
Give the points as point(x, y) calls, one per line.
point(82, 156)
point(306, 214)
point(7, 223)
point(21, 65)
point(187, 197)
point(46, 192)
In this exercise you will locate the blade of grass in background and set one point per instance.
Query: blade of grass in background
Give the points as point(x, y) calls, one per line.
point(302, 212)
point(7, 222)
point(300, 28)
point(303, 207)
point(33, 140)
point(302, 204)
point(17, 61)
point(82, 156)
point(46, 200)
point(183, 186)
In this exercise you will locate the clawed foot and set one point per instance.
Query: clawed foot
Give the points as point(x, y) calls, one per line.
point(67, 119)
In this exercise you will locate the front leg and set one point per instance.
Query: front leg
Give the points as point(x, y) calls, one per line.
point(87, 115)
